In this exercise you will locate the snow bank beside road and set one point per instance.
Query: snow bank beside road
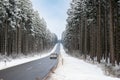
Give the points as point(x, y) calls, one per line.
point(75, 69)
point(24, 59)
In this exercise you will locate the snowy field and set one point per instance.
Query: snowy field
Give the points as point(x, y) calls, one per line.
point(75, 69)
point(22, 60)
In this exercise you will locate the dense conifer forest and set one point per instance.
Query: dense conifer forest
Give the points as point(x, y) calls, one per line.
point(22, 30)
point(93, 29)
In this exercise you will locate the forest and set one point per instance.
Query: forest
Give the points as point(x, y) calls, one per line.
point(22, 30)
point(93, 30)
point(91, 40)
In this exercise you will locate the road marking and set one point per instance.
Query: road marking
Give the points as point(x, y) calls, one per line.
point(39, 63)
point(29, 68)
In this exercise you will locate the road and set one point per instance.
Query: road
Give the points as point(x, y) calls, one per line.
point(34, 70)
point(57, 49)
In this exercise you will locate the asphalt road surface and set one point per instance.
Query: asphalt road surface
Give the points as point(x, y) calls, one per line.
point(34, 70)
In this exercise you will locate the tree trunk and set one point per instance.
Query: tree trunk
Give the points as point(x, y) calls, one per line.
point(99, 33)
point(6, 36)
point(111, 34)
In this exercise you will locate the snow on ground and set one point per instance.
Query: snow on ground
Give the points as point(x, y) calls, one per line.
point(76, 69)
point(24, 59)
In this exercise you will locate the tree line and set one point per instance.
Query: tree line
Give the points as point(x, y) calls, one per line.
point(93, 29)
point(22, 31)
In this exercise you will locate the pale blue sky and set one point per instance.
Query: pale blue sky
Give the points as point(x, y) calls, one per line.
point(54, 12)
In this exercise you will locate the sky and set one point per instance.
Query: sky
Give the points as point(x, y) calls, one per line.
point(54, 12)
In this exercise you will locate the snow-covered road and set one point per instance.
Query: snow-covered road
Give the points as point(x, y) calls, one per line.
point(75, 69)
